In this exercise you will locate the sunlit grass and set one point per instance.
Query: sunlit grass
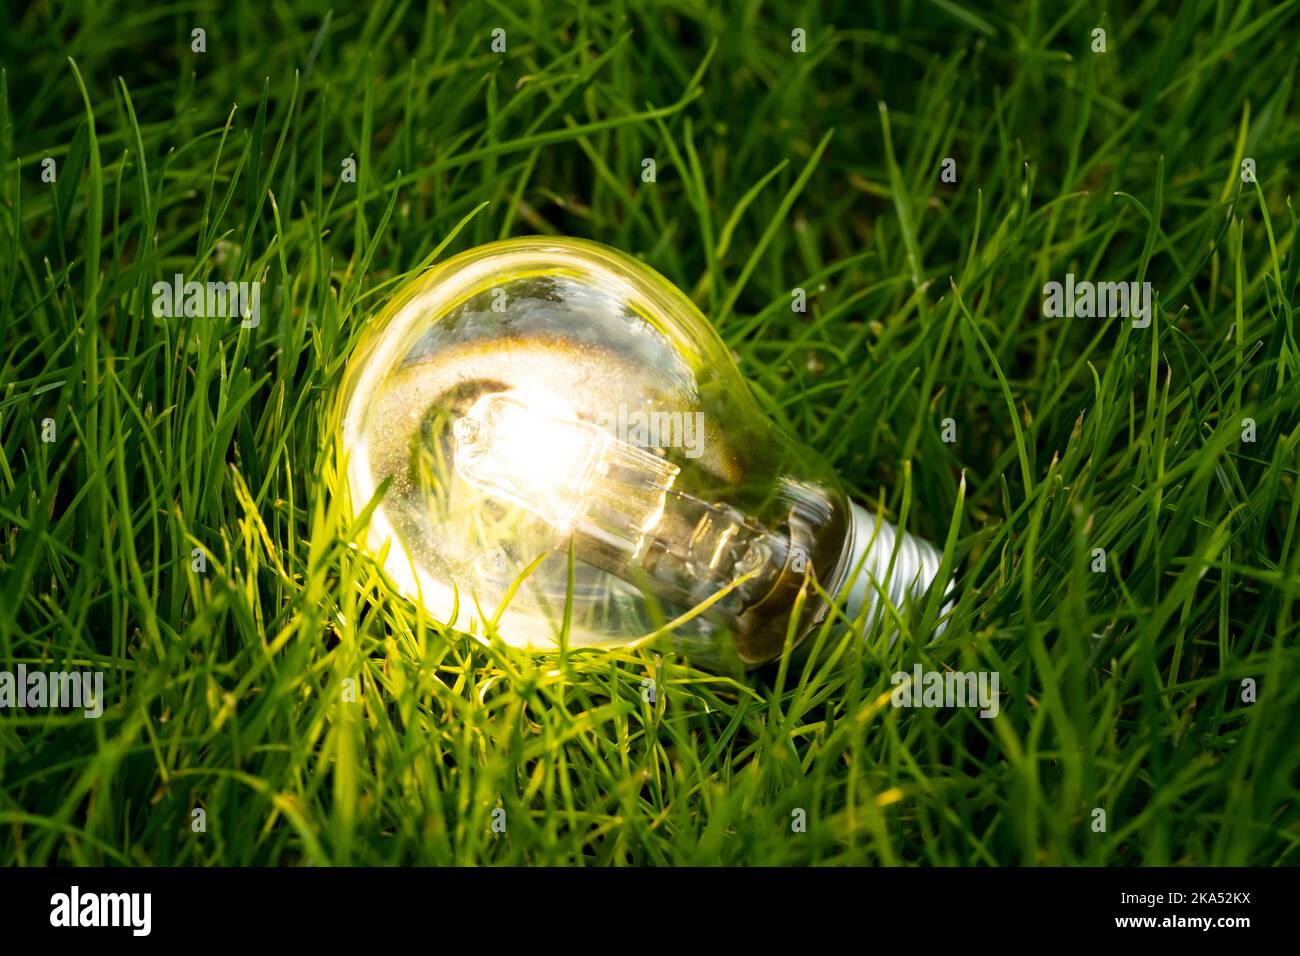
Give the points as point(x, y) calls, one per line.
point(1122, 690)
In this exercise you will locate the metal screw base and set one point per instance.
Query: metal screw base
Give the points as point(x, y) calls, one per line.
point(872, 544)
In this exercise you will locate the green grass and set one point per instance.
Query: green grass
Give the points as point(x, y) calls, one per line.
point(1122, 690)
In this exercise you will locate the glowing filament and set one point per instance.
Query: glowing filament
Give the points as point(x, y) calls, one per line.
point(531, 450)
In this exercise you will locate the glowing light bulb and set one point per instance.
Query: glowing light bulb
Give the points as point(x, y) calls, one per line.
point(559, 448)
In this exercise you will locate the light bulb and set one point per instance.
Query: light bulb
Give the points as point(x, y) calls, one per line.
point(556, 448)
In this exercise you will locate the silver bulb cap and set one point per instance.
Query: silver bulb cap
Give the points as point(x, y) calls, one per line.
point(872, 542)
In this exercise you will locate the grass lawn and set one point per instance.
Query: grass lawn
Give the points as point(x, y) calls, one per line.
point(170, 512)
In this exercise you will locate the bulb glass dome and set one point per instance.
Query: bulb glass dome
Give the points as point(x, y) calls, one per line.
point(559, 447)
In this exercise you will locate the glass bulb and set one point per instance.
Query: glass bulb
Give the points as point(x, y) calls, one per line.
point(558, 448)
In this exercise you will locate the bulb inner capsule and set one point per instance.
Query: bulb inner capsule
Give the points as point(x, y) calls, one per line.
point(614, 500)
